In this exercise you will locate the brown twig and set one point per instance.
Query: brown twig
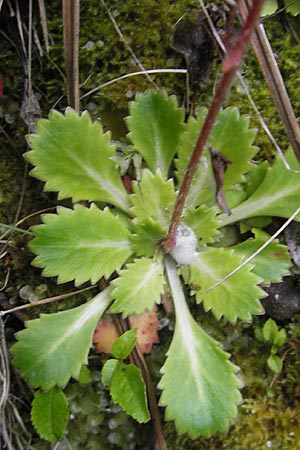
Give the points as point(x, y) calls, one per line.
point(138, 359)
point(44, 301)
point(71, 44)
point(43, 18)
point(230, 66)
point(271, 72)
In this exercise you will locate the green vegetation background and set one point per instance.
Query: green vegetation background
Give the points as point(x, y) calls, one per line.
point(269, 416)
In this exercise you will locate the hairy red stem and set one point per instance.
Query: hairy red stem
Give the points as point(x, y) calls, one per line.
point(230, 67)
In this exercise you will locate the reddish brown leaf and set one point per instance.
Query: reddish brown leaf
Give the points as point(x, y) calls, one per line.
point(104, 336)
point(147, 326)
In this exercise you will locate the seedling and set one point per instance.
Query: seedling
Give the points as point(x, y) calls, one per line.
point(118, 236)
point(276, 337)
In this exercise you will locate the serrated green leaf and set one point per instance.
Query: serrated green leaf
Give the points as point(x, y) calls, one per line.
point(123, 345)
point(277, 195)
point(155, 126)
point(232, 137)
point(139, 287)
point(203, 222)
point(107, 371)
point(129, 391)
point(146, 236)
point(50, 414)
point(272, 263)
point(53, 348)
point(188, 141)
point(275, 363)
point(293, 7)
point(236, 297)
point(81, 244)
point(73, 157)
point(200, 389)
point(203, 184)
point(153, 198)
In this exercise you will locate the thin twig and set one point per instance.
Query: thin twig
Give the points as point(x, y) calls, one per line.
point(264, 125)
point(155, 416)
point(6, 280)
point(20, 28)
point(23, 190)
point(29, 94)
point(118, 30)
point(138, 359)
point(276, 375)
point(71, 46)
point(45, 300)
point(4, 386)
point(36, 213)
point(43, 18)
point(133, 74)
point(29, 52)
point(37, 41)
point(4, 369)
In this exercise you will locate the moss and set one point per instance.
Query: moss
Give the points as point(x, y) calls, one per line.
point(106, 57)
point(10, 186)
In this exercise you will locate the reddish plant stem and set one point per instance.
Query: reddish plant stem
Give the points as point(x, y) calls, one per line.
point(192, 166)
point(230, 67)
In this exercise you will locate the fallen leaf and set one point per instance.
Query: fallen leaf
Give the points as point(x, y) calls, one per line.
point(104, 336)
point(147, 326)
